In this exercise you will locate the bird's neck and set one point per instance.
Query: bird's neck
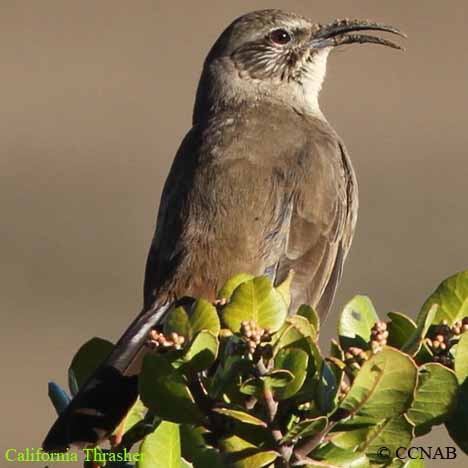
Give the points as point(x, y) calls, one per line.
point(223, 88)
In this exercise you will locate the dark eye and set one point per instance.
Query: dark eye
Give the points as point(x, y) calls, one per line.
point(280, 36)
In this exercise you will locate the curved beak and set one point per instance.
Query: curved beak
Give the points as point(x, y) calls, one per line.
point(339, 33)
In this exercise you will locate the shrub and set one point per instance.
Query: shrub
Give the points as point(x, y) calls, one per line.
point(241, 383)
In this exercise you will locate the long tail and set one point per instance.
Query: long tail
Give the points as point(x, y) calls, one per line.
point(104, 400)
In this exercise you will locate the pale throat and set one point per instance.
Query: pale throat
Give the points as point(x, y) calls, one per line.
point(312, 81)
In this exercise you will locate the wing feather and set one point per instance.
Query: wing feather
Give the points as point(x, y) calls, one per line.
point(322, 224)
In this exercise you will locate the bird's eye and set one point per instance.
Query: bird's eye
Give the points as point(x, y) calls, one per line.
point(280, 36)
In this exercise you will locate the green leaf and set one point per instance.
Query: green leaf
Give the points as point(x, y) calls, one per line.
point(410, 463)
point(86, 361)
point(352, 438)
point(400, 329)
point(284, 288)
point(241, 416)
point(395, 463)
point(296, 361)
point(336, 351)
point(192, 441)
point(413, 345)
point(242, 454)
point(305, 428)
point(356, 321)
point(255, 300)
point(295, 329)
point(461, 359)
point(161, 448)
point(452, 297)
point(259, 436)
point(177, 321)
point(204, 317)
point(457, 425)
point(278, 378)
point(231, 370)
point(327, 389)
point(252, 387)
point(309, 389)
point(414, 463)
point(392, 433)
point(338, 457)
point(356, 422)
point(134, 416)
point(232, 284)
point(58, 396)
point(384, 386)
point(275, 379)
point(201, 353)
point(163, 390)
point(435, 397)
point(311, 315)
point(208, 457)
point(424, 354)
point(302, 325)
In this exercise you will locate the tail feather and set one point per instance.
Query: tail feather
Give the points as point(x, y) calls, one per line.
point(104, 400)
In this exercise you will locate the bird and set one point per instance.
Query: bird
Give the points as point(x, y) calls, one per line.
point(261, 184)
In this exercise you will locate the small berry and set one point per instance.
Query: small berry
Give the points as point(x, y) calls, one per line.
point(376, 346)
point(305, 406)
point(355, 365)
point(344, 387)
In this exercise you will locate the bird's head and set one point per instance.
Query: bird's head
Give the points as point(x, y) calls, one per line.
point(271, 54)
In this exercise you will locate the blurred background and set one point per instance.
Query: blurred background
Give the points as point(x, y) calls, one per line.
point(94, 100)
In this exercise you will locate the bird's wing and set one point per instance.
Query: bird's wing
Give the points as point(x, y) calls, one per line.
point(304, 209)
point(321, 223)
point(163, 251)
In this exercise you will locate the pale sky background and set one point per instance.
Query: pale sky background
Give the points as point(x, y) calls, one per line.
point(94, 100)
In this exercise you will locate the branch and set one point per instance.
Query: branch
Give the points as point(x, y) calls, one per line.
point(303, 449)
point(272, 408)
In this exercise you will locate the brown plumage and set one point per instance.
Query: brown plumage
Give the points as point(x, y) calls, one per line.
point(281, 197)
point(261, 184)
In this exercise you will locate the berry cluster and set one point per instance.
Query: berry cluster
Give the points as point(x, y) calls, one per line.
point(254, 334)
point(460, 326)
point(159, 340)
point(442, 337)
point(379, 335)
point(355, 357)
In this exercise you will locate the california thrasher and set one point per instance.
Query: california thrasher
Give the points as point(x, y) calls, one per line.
point(261, 184)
